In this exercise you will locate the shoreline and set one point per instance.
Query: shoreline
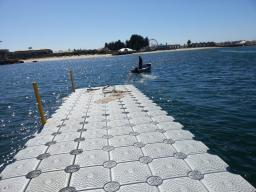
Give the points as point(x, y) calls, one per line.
point(65, 58)
point(177, 50)
point(110, 55)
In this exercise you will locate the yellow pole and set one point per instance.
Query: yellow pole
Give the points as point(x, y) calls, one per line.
point(72, 81)
point(39, 103)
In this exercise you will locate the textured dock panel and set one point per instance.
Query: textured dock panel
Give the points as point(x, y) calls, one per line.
point(116, 139)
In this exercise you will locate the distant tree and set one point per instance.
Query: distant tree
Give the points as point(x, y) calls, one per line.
point(114, 46)
point(189, 43)
point(29, 48)
point(137, 42)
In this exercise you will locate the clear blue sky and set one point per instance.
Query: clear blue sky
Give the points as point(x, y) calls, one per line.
point(63, 24)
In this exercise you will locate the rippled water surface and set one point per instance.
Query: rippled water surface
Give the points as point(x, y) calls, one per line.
point(211, 92)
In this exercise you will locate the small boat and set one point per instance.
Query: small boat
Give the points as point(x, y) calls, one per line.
point(34, 61)
point(146, 68)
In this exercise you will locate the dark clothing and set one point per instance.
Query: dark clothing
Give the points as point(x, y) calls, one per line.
point(140, 62)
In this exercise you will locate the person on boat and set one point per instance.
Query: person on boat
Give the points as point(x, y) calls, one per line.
point(140, 62)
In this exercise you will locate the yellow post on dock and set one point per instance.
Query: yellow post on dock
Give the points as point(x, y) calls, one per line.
point(72, 80)
point(39, 103)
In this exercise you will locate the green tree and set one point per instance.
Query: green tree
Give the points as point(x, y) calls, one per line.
point(189, 43)
point(114, 46)
point(137, 42)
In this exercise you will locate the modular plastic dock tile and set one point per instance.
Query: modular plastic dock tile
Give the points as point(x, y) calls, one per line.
point(169, 125)
point(141, 187)
point(90, 177)
point(94, 133)
point(190, 146)
point(206, 163)
point(70, 128)
point(56, 162)
point(62, 147)
point(151, 137)
point(157, 113)
point(125, 130)
point(17, 184)
point(39, 140)
point(140, 120)
point(19, 168)
point(118, 123)
point(179, 135)
point(92, 144)
point(117, 117)
point(145, 128)
point(169, 167)
point(123, 140)
point(224, 181)
point(156, 150)
point(95, 125)
point(182, 184)
point(30, 152)
point(92, 158)
point(126, 144)
point(48, 182)
point(137, 114)
point(96, 118)
point(130, 153)
point(67, 136)
point(130, 172)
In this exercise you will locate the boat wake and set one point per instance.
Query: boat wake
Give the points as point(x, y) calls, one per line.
point(141, 78)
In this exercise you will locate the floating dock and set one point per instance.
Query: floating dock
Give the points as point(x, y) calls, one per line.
point(108, 139)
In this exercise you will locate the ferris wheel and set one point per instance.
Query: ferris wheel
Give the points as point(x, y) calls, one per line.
point(153, 43)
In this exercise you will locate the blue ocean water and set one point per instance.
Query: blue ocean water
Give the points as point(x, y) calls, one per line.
point(211, 92)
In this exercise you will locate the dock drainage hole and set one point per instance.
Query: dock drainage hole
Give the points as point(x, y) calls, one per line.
point(139, 144)
point(109, 164)
point(56, 133)
point(72, 168)
point(146, 159)
point(33, 174)
point(108, 148)
point(168, 141)
point(43, 156)
point(107, 136)
point(180, 155)
point(154, 180)
point(79, 139)
point(196, 175)
point(133, 133)
point(50, 143)
point(76, 151)
point(81, 130)
point(160, 130)
point(111, 186)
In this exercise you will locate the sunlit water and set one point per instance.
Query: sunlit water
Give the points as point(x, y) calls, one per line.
point(211, 92)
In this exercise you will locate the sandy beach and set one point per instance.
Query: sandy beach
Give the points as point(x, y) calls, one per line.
point(65, 58)
point(181, 49)
point(109, 55)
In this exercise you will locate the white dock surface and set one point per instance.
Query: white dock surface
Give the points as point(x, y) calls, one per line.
point(116, 142)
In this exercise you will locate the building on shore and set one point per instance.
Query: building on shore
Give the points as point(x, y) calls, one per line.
point(31, 53)
point(4, 54)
